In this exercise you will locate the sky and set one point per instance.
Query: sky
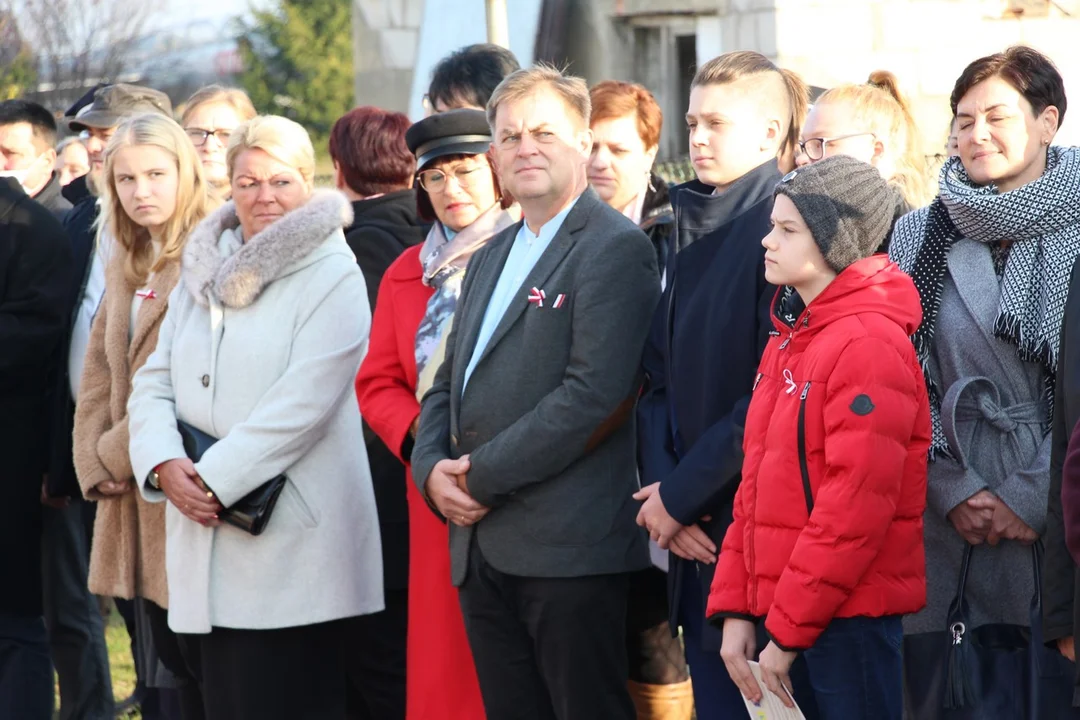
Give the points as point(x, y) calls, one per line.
point(178, 12)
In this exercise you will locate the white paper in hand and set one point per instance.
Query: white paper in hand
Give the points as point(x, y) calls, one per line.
point(770, 707)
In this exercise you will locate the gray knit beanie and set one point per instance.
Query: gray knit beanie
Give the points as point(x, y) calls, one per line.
point(846, 204)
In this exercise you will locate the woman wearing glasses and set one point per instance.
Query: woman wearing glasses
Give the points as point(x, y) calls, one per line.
point(872, 123)
point(458, 190)
point(209, 117)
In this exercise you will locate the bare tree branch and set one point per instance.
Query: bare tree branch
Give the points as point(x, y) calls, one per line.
point(79, 43)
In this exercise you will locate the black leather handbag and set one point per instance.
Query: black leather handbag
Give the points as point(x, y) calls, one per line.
point(991, 672)
point(251, 512)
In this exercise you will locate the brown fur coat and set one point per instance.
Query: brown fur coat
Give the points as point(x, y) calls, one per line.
point(128, 555)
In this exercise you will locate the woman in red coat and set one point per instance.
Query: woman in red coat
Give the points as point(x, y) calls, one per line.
point(459, 191)
point(826, 543)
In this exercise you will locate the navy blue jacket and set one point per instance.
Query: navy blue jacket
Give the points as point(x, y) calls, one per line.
point(79, 224)
point(707, 337)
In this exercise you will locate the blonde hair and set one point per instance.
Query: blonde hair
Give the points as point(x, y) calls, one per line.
point(573, 91)
point(879, 107)
point(280, 138)
point(235, 98)
point(742, 64)
point(194, 199)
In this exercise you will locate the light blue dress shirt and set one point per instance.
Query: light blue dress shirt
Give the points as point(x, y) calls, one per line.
point(527, 249)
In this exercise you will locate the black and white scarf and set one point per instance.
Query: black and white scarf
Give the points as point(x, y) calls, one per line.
point(1041, 220)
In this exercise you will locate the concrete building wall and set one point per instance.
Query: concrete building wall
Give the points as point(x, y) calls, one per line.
point(926, 43)
point(396, 43)
point(385, 37)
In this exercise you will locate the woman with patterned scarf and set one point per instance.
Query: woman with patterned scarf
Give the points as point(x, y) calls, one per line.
point(991, 258)
point(457, 189)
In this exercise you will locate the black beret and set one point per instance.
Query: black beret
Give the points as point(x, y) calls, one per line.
point(83, 101)
point(456, 132)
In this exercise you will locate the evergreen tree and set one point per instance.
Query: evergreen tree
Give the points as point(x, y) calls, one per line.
point(18, 75)
point(298, 62)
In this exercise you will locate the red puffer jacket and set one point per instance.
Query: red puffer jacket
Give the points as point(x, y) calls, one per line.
point(848, 374)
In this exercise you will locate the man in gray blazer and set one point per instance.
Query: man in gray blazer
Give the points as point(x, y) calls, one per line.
point(526, 439)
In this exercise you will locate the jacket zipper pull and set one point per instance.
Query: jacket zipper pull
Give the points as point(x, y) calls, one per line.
point(786, 341)
point(756, 381)
point(805, 391)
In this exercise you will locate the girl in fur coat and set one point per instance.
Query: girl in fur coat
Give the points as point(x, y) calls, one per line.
point(154, 195)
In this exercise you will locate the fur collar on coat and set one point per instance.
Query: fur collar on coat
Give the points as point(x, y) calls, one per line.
point(236, 275)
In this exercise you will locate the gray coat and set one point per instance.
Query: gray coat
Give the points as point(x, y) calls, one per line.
point(548, 415)
point(994, 414)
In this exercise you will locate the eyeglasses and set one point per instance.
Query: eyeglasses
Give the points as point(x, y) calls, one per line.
point(199, 136)
point(814, 148)
point(434, 180)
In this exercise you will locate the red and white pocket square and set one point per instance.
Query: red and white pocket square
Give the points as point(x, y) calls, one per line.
point(537, 297)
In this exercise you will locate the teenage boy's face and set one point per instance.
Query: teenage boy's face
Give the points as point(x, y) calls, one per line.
point(730, 130)
point(791, 255)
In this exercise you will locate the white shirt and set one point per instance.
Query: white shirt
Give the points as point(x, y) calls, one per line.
point(524, 254)
point(88, 307)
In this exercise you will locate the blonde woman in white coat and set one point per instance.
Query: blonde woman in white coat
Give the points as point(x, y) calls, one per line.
point(259, 349)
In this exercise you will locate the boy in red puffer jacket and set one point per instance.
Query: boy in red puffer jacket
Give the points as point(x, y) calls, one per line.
point(827, 539)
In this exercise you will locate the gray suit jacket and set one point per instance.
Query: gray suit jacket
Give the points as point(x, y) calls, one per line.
point(547, 417)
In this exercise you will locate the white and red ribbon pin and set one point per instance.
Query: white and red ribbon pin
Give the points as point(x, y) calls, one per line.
point(146, 294)
point(539, 296)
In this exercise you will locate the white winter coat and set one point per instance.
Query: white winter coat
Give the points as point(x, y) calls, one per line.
point(259, 348)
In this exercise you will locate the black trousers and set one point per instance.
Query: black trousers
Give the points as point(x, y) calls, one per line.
point(547, 648)
point(373, 655)
point(72, 616)
point(282, 674)
point(167, 645)
point(26, 682)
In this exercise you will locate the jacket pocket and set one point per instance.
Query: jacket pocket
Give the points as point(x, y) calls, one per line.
point(295, 503)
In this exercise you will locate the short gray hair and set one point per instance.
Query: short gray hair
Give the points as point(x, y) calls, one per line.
point(573, 90)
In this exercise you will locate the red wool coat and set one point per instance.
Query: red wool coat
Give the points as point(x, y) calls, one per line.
point(441, 679)
point(850, 369)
